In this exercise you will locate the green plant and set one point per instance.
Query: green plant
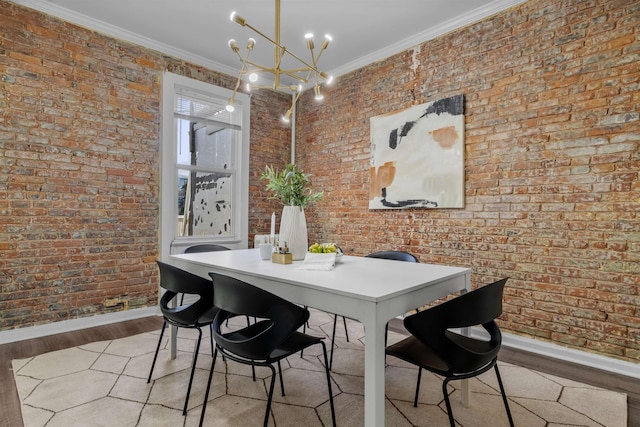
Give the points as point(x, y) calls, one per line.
point(290, 186)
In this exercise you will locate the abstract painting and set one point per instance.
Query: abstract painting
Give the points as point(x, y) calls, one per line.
point(417, 157)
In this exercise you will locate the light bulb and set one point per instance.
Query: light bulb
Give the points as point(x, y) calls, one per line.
point(253, 77)
point(237, 18)
point(326, 41)
point(230, 108)
point(328, 78)
point(309, 38)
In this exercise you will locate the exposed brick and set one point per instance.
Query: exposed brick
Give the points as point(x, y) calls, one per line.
point(551, 134)
point(79, 177)
point(551, 157)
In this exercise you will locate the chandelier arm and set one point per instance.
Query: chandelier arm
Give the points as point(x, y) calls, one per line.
point(260, 67)
point(315, 62)
point(280, 51)
point(283, 49)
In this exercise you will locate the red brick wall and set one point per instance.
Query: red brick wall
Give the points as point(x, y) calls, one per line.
point(79, 167)
point(552, 160)
point(552, 102)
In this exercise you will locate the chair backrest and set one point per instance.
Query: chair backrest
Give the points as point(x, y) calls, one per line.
point(478, 307)
point(205, 248)
point(276, 318)
point(175, 280)
point(394, 255)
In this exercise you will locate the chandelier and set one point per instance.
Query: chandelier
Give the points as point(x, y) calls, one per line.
point(306, 72)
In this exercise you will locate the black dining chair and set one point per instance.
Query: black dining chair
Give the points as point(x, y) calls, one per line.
point(392, 255)
point(273, 337)
point(195, 315)
point(208, 247)
point(205, 247)
point(434, 346)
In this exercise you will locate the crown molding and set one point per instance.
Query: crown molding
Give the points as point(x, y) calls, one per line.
point(97, 25)
point(431, 33)
point(122, 34)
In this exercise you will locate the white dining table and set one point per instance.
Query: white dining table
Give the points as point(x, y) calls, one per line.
point(370, 290)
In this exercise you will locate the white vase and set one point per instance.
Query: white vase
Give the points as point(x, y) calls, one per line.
point(293, 231)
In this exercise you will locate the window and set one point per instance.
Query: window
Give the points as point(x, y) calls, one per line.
point(205, 157)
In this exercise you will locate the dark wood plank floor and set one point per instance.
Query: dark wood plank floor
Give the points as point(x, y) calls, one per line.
point(10, 404)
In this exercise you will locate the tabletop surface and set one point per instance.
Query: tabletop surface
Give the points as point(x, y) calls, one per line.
point(369, 278)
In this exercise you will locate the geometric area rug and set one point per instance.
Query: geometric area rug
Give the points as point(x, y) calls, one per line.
point(105, 384)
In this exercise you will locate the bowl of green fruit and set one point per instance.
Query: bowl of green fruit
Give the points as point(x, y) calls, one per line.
point(326, 248)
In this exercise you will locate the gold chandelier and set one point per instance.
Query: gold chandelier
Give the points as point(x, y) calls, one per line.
point(305, 73)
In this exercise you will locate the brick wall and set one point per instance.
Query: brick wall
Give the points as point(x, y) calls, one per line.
point(552, 104)
point(552, 190)
point(79, 167)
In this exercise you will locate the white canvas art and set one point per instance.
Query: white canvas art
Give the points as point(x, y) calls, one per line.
point(417, 157)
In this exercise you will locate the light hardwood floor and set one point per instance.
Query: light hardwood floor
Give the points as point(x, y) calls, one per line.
point(10, 404)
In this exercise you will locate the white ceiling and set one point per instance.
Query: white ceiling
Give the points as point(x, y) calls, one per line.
point(363, 31)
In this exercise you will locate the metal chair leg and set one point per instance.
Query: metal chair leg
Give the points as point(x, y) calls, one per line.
point(446, 401)
point(153, 364)
point(346, 331)
point(193, 370)
point(333, 411)
point(415, 400)
point(504, 395)
point(270, 398)
point(280, 375)
point(333, 338)
point(206, 394)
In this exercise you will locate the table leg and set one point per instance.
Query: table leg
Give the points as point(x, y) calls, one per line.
point(374, 370)
point(465, 389)
point(173, 334)
point(173, 341)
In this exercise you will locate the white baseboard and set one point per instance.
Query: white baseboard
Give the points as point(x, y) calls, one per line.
point(38, 331)
point(508, 340)
point(571, 355)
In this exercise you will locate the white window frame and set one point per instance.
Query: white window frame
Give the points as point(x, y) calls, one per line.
point(169, 241)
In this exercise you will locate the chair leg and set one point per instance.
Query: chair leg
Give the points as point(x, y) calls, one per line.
point(153, 364)
point(415, 400)
point(206, 394)
point(270, 398)
point(333, 338)
point(333, 335)
point(280, 375)
point(193, 370)
point(504, 395)
point(326, 369)
point(346, 332)
point(446, 401)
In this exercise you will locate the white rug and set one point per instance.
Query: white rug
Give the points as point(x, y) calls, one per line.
point(104, 384)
